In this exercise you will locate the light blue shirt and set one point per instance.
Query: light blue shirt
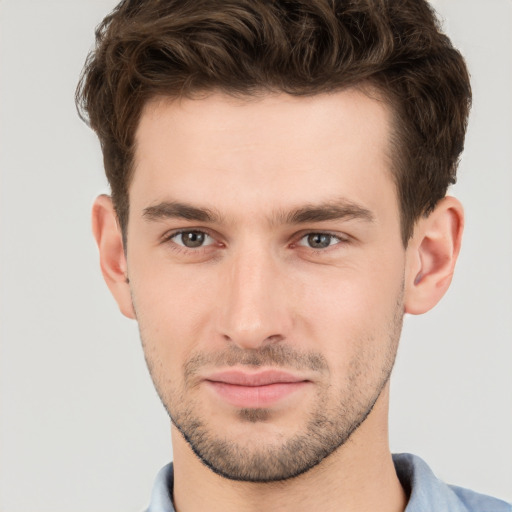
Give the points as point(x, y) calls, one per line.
point(426, 492)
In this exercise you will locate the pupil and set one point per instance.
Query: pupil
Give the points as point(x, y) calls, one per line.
point(319, 240)
point(192, 239)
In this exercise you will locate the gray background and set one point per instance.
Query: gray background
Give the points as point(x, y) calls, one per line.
point(81, 428)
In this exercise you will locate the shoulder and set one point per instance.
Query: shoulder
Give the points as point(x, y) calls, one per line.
point(476, 502)
point(427, 492)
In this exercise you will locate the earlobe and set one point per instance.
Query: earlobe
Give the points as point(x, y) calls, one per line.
point(431, 256)
point(107, 232)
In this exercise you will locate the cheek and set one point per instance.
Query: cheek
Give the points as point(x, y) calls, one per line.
point(353, 311)
point(337, 311)
point(171, 306)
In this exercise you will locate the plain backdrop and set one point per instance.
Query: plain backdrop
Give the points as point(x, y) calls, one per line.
point(81, 428)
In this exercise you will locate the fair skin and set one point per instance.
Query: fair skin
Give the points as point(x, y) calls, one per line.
point(265, 268)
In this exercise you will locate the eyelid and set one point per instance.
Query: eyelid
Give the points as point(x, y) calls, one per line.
point(341, 237)
point(170, 236)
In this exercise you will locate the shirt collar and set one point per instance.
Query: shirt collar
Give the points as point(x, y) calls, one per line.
point(425, 491)
point(161, 496)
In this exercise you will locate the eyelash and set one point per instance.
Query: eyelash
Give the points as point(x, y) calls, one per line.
point(169, 239)
point(341, 240)
point(180, 248)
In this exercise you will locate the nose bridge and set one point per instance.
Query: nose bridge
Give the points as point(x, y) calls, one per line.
point(253, 310)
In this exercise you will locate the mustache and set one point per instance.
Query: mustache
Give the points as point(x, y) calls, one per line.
point(274, 355)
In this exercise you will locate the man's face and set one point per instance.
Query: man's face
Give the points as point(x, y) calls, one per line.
point(266, 271)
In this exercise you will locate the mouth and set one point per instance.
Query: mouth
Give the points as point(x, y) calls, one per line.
point(255, 389)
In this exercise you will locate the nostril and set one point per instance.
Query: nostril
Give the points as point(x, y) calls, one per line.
point(252, 340)
point(274, 338)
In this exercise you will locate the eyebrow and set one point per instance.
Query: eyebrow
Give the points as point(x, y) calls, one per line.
point(331, 210)
point(176, 210)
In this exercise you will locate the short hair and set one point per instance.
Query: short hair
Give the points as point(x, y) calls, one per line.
point(185, 48)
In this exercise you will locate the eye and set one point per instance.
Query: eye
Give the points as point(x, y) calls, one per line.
point(192, 239)
point(319, 240)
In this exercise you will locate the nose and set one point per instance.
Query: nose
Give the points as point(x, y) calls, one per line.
point(254, 306)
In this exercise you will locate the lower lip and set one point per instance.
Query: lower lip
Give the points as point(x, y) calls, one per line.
point(255, 396)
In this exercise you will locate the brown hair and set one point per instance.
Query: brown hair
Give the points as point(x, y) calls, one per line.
point(148, 48)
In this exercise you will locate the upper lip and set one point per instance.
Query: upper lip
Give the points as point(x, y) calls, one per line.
point(259, 378)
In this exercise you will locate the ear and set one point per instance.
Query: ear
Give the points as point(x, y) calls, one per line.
point(107, 233)
point(431, 256)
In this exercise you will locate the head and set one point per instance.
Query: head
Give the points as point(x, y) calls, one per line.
point(175, 49)
point(278, 175)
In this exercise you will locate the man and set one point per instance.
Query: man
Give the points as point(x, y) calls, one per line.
point(279, 174)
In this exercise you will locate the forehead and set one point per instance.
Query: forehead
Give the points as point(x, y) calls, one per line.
point(274, 148)
point(266, 118)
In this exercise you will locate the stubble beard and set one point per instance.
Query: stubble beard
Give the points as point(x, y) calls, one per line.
point(328, 426)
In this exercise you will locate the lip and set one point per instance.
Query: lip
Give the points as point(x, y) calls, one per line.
point(252, 379)
point(257, 389)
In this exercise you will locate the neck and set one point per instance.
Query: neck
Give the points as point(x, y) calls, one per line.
point(359, 476)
